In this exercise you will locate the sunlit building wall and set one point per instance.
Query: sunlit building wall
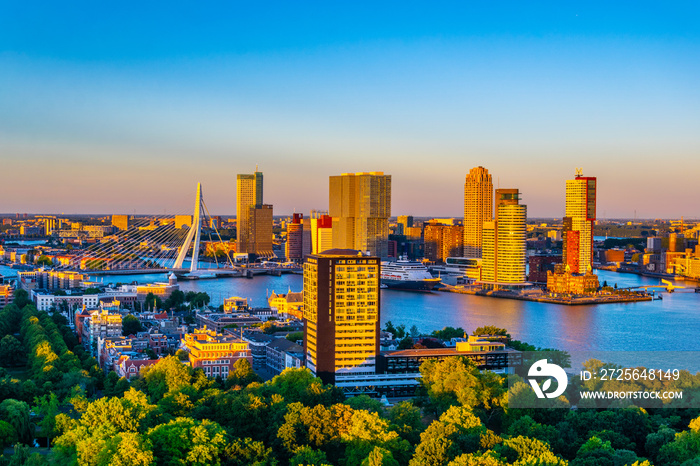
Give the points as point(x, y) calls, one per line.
point(120, 221)
point(253, 218)
point(478, 208)
point(579, 218)
point(360, 205)
point(505, 240)
point(341, 313)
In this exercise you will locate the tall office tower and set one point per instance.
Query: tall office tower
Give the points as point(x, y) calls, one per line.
point(341, 314)
point(478, 208)
point(578, 223)
point(259, 231)
point(360, 205)
point(294, 250)
point(183, 220)
point(252, 216)
point(404, 222)
point(321, 232)
point(50, 225)
point(505, 240)
point(120, 221)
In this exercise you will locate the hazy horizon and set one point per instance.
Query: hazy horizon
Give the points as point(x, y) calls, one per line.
point(116, 109)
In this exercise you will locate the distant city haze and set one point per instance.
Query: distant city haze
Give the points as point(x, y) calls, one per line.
point(107, 111)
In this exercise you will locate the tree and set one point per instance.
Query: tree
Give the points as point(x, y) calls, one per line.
point(309, 457)
point(490, 330)
point(406, 343)
point(457, 431)
point(448, 333)
point(406, 420)
point(364, 402)
point(16, 413)
point(12, 353)
point(131, 325)
point(242, 374)
point(175, 300)
point(685, 446)
point(44, 261)
point(47, 406)
point(449, 382)
point(414, 331)
point(380, 457)
point(152, 303)
point(295, 336)
point(21, 298)
point(186, 441)
point(248, 452)
point(127, 449)
point(8, 435)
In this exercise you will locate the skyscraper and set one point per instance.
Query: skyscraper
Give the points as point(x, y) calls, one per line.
point(360, 205)
point(404, 222)
point(321, 232)
point(120, 221)
point(294, 249)
point(579, 218)
point(253, 218)
point(478, 208)
point(341, 314)
point(504, 241)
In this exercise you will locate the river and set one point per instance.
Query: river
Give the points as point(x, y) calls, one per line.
point(671, 324)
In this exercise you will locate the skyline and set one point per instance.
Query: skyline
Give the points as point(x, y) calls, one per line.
point(106, 111)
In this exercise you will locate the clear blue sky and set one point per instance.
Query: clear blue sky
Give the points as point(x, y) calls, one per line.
point(124, 106)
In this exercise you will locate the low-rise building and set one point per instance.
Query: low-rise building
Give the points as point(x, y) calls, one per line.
point(100, 324)
point(215, 353)
point(283, 354)
point(5, 295)
point(219, 321)
point(235, 304)
point(291, 304)
point(44, 300)
point(572, 283)
point(257, 342)
point(500, 358)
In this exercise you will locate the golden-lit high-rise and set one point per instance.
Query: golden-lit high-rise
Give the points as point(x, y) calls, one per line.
point(360, 205)
point(505, 240)
point(253, 218)
point(341, 314)
point(478, 208)
point(579, 218)
point(120, 221)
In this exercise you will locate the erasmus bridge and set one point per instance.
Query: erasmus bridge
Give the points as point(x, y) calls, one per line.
point(164, 244)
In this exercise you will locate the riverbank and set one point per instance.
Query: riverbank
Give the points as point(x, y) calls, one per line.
point(548, 299)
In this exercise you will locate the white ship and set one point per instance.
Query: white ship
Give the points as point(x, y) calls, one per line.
point(407, 275)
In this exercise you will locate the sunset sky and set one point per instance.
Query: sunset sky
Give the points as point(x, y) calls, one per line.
point(121, 107)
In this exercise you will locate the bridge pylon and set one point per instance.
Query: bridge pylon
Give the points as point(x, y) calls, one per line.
point(194, 233)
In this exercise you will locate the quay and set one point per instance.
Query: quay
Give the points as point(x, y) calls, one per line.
point(544, 298)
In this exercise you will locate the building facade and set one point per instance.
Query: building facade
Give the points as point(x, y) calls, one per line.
point(442, 241)
point(321, 233)
point(294, 249)
point(360, 205)
point(504, 241)
point(579, 219)
point(341, 313)
point(478, 208)
point(215, 353)
point(253, 218)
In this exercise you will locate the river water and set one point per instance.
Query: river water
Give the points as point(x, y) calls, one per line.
point(671, 324)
